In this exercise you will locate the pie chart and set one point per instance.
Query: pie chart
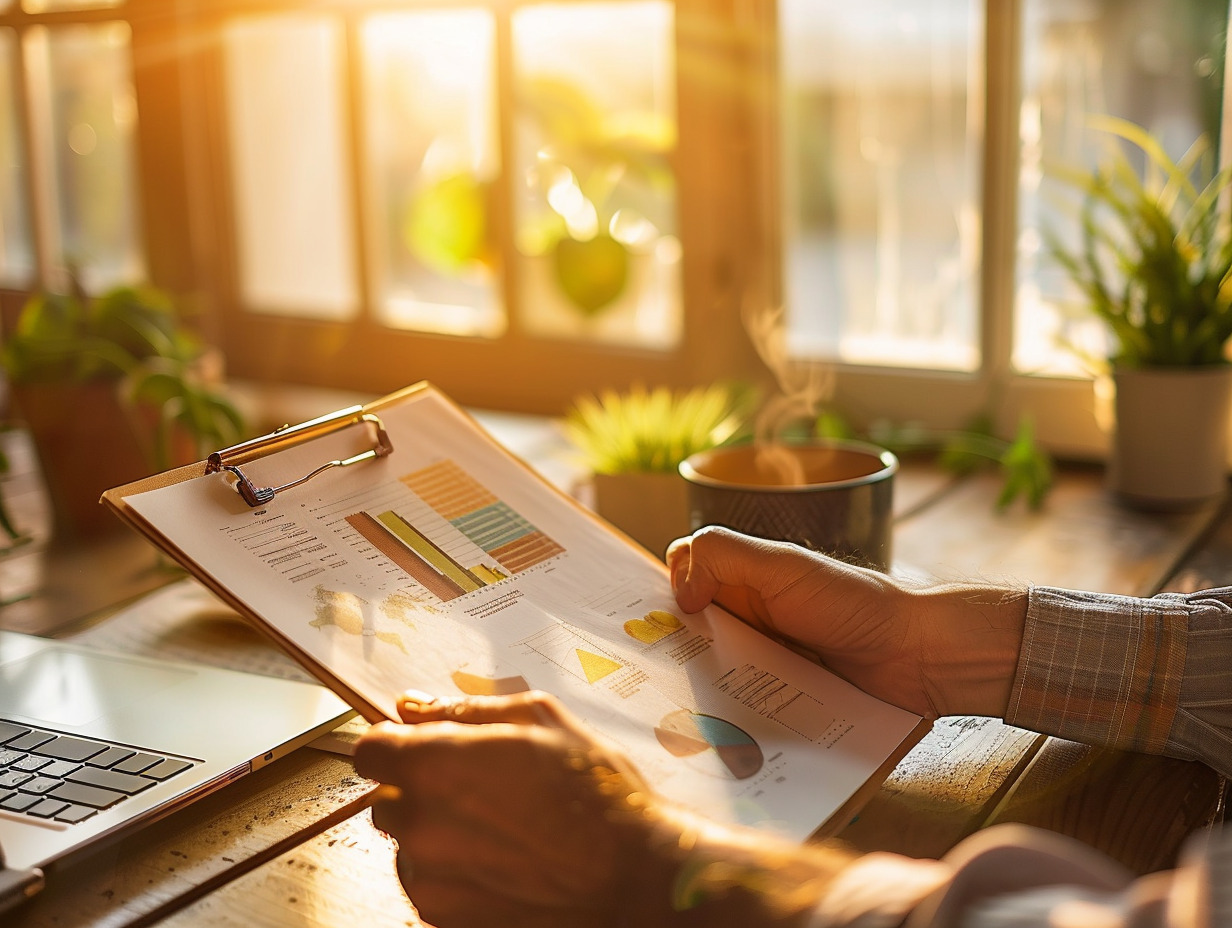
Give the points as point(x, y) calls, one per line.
point(686, 734)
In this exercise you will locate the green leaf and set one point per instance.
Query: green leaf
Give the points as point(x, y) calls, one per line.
point(830, 424)
point(653, 430)
point(1153, 258)
point(1027, 469)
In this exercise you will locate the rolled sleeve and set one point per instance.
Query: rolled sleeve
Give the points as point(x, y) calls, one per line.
point(1151, 675)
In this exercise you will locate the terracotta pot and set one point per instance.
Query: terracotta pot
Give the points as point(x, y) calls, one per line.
point(1170, 446)
point(86, 444)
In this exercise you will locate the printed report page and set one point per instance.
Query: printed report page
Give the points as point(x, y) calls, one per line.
point(450, 567)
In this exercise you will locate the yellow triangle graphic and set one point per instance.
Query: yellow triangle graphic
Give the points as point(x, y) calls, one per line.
point(596, 666)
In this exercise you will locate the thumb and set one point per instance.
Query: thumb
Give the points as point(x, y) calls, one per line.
point(714, 558)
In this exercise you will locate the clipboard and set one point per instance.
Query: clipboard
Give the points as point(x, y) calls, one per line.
point(567, 603)
point(232, 460)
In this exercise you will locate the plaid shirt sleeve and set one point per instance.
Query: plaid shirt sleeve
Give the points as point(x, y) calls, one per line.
point(1151, 675)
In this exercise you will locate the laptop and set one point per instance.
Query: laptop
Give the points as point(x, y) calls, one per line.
point(93, 743)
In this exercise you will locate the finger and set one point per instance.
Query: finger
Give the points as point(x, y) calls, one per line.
point(379, 753)
point(528, 708)
point(557, 853)
point(429, 756)
point(391, 810)
point(715, 559)
point(676, 545)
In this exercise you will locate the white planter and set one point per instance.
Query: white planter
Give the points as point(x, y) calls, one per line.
point(1170, 448)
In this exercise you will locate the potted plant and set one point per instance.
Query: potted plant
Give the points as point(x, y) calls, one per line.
point(1153, 263)
point(633, 443)
point(112, 388)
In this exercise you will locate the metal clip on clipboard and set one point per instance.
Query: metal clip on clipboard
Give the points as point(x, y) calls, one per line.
point(229, 459)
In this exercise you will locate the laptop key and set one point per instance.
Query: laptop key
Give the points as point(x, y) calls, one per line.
point(14, 778)
point(66, 747)
point(9, 731)
point(73, 814)
point(59, 768)
point(110, 757)
point(47, 808)
point(10, 757)
point(19, 802)
point(110, 779)
point(30, 740)
point(166, 769)
point(30, 763)
point(137, 763)
point(39, 785)
point(83, 794)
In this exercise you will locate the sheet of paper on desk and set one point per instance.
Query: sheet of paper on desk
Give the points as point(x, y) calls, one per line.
point(450, 567)
point(184, 621)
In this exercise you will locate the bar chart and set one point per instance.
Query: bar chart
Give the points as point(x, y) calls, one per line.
point(467, 512)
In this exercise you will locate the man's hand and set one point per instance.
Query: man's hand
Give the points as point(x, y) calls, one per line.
point(508, 812)
point(941, 650)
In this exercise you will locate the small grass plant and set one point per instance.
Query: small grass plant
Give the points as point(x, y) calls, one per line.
point(1153, 259)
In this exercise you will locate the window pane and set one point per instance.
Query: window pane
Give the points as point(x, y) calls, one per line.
point(16, 247)
point(595, 193)
point(881, 136)
point(1159, 65)
point(85, 73)
point(433, 160)
point(289, 166)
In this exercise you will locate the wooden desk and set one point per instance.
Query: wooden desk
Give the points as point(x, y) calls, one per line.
point(293, 843)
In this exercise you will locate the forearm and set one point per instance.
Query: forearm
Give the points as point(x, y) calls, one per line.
point(699, 873)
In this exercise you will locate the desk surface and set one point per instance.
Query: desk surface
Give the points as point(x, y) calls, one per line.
point(293, 843)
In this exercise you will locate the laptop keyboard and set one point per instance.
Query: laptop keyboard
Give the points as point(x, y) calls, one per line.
point(64, 778)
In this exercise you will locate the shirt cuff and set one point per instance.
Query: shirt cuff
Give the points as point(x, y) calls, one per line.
point(1100, 668)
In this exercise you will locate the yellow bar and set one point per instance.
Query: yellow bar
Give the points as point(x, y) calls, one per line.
point(487, 574)
point(430, 552)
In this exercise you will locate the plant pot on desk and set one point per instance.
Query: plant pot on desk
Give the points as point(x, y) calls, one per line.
point(651, 508)
point(1170, 446)
point(86, 444)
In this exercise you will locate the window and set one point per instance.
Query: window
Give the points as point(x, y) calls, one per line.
point(68, 150)
point(915, 145)
point(488, 196)
point(882, 134)
point(523, 200)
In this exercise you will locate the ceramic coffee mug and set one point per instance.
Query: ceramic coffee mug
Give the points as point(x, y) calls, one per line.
point(835, 497)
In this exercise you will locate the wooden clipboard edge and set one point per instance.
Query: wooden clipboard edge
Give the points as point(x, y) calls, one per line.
point(116, 499)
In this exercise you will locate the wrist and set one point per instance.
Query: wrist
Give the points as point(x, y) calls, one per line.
point(722, 877)
point(979, 629)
